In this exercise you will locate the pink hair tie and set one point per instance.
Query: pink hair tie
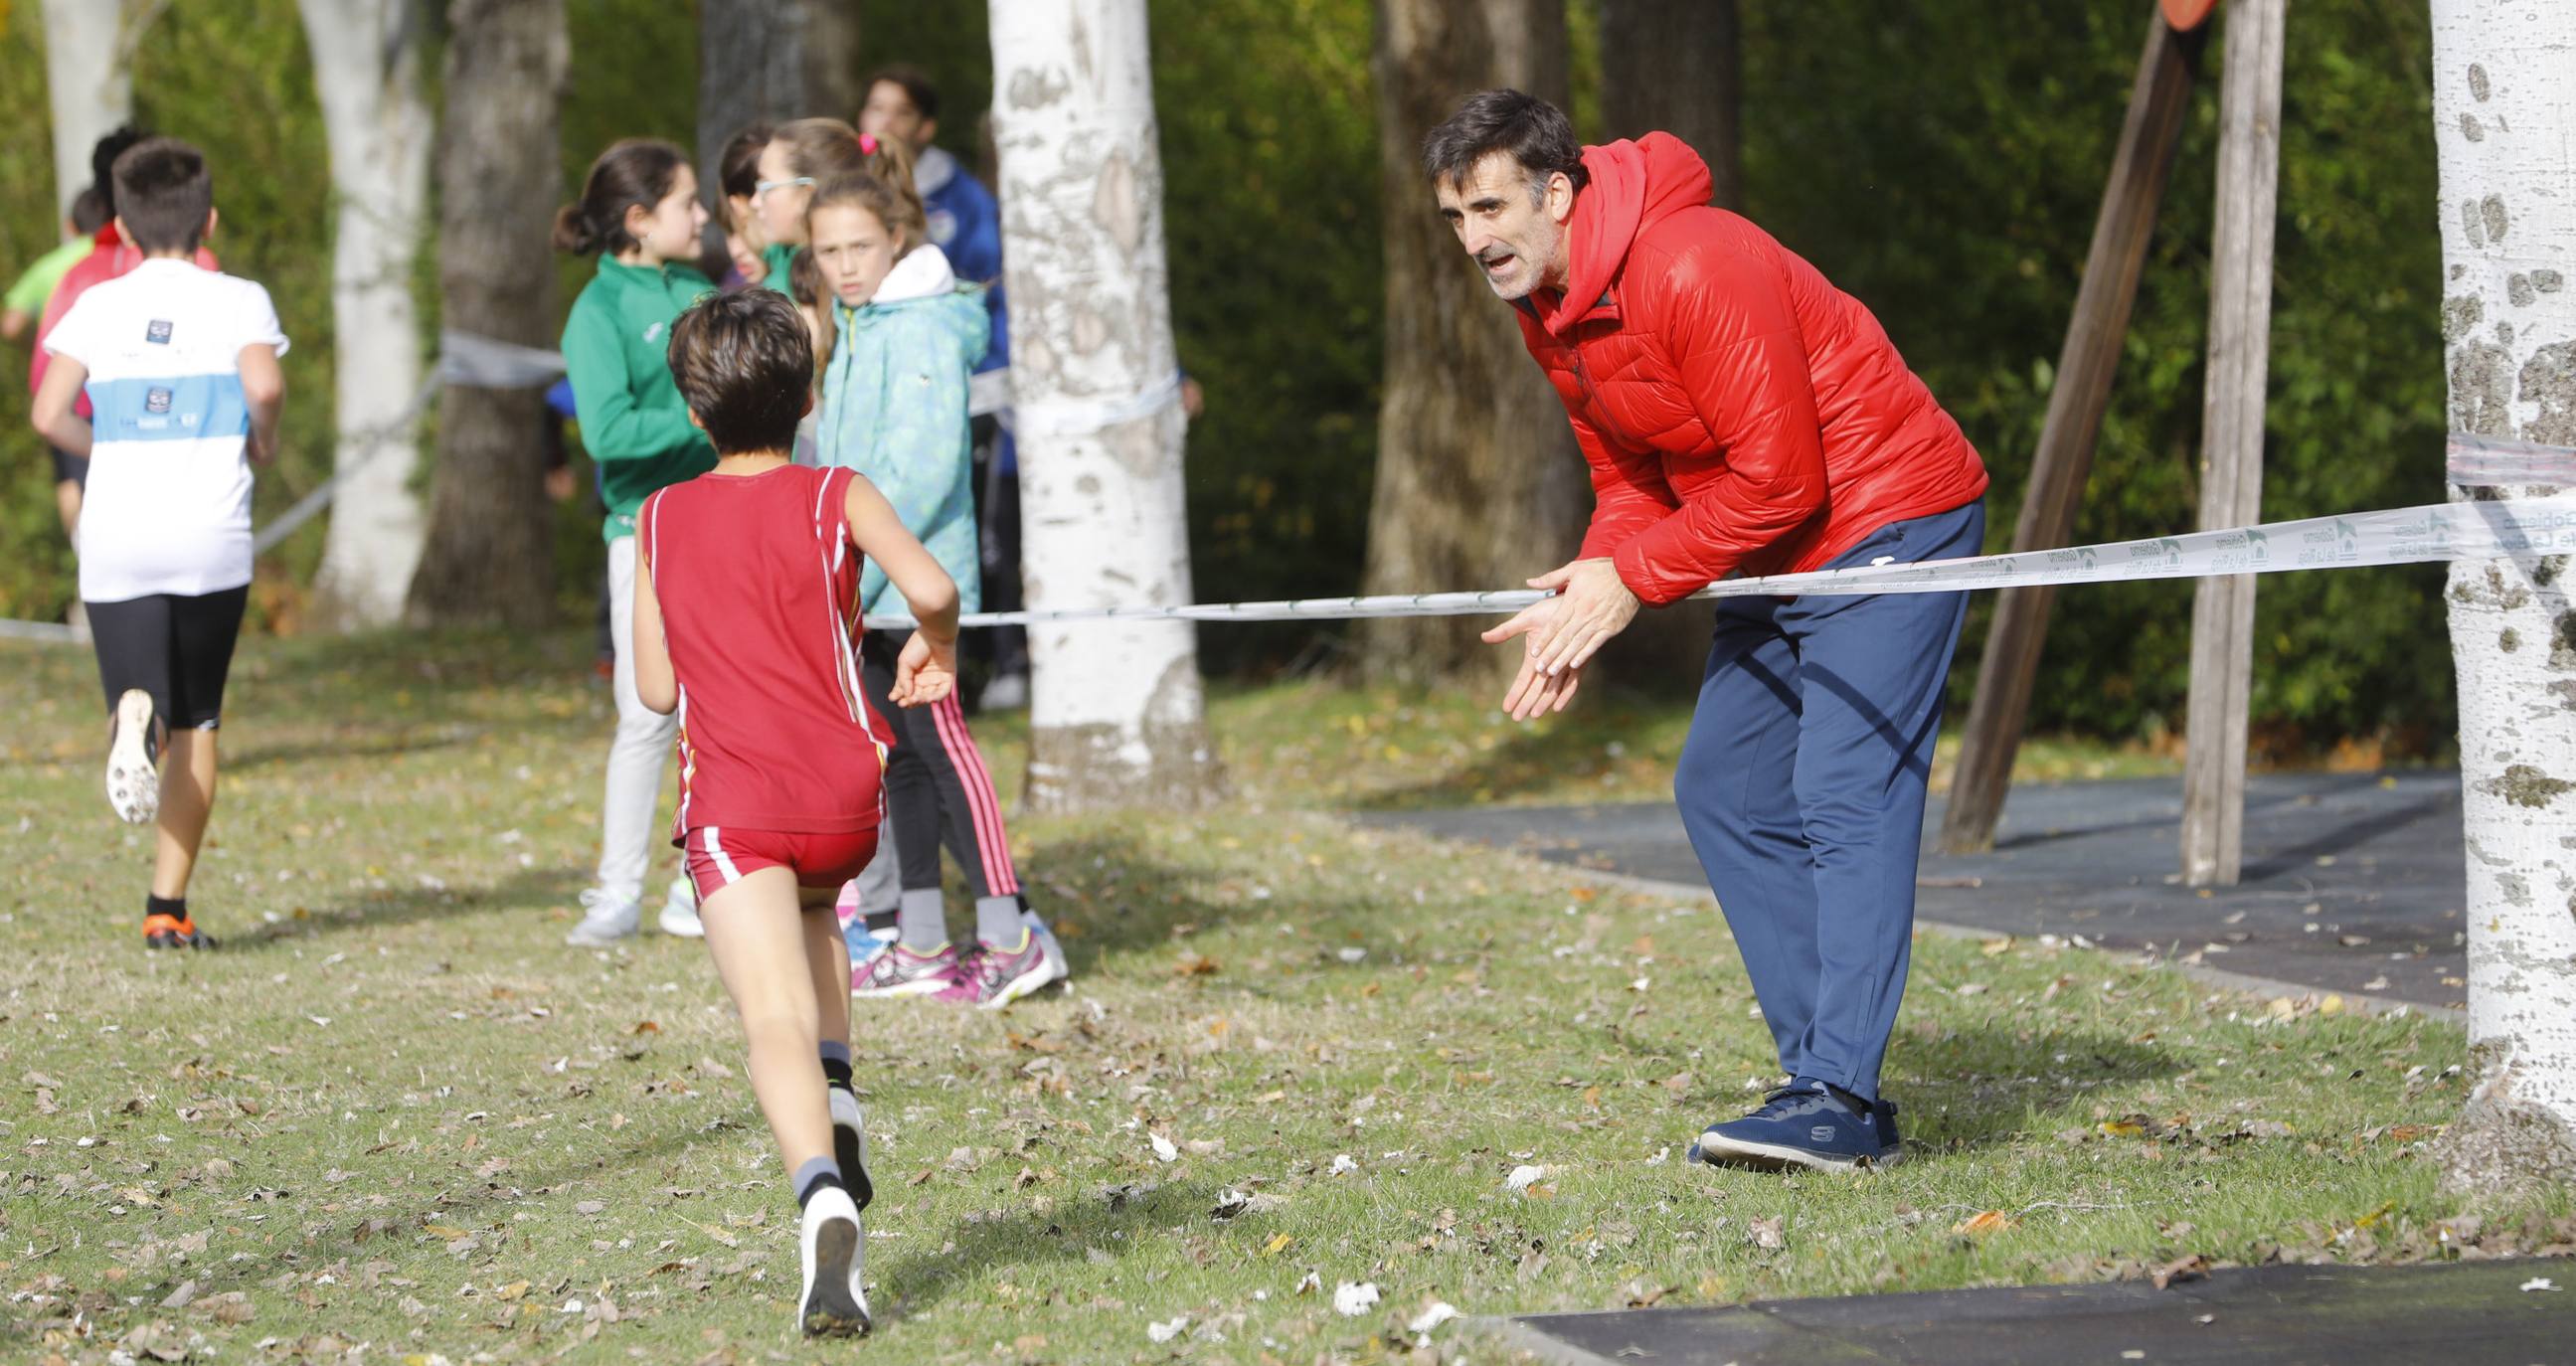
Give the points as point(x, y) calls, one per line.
point(867, 144)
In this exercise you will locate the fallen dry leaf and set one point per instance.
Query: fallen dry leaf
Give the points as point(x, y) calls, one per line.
point(1982, 1223)
point(2190, 1268)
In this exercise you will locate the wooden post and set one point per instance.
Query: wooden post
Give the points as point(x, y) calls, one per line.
point(2231, 464)
point(2157, 103)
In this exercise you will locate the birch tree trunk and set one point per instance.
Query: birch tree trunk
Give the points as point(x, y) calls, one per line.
point(1479, 484)
point(366, 66)
point(88, 84)
point(1117, 715)
point(490, 557)
point(2504, 116)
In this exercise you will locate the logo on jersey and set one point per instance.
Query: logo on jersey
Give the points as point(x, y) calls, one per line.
point(157, 332)
point(156, 400)
point(653, 333)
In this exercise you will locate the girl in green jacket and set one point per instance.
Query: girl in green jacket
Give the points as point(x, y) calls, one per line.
point(639, 210)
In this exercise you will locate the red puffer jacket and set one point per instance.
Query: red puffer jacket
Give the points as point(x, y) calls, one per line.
point(1737, 410)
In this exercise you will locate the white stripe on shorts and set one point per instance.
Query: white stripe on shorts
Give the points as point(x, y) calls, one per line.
point(724, 861)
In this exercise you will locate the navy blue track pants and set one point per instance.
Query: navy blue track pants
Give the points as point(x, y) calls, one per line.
point(1802, 788)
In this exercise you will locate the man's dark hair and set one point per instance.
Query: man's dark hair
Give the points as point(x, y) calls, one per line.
point(916, 83)
point(744, 365)
point(1536, 134)
point(89, 211)
point(163, 192)
point(102, 160)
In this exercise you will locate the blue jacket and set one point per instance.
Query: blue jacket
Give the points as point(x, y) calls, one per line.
point(966, 224)
point(894, 409)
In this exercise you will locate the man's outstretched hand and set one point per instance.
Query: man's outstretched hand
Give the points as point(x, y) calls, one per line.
point(1591, 605)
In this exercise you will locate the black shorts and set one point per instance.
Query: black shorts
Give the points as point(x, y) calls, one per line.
point(69, 468)
point(177, 649)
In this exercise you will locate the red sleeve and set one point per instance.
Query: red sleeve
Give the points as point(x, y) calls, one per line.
point(1733, 334)
point(85, 272)
point(1628, 492)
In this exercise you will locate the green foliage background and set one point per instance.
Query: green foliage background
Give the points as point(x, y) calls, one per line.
point(1945, 172)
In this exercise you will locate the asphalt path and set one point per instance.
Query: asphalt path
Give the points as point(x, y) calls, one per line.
point(2353, 882)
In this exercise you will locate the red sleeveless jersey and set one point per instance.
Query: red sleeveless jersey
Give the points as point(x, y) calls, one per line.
point(758, 585)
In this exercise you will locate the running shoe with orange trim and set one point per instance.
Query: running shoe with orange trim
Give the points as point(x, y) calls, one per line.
point(172, 932)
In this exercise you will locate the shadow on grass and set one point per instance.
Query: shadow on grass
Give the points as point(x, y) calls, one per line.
point(436, 672)
point(1980, 1087)
point(1129, 902)
point(1574, 745)
point(372, 743)
point(350, 1233)
point(529, 889)
point(919, 1280)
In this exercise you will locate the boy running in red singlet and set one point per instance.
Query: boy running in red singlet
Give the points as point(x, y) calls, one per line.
point(746, 609)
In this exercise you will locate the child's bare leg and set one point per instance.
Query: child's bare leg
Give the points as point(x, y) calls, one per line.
point(828, 954)
point(756, 931)
point(187, 796)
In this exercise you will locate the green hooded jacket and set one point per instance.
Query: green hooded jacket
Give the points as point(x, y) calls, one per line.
point(616, 346)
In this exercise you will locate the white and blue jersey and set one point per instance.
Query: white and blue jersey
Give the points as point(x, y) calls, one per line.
point(168, 506)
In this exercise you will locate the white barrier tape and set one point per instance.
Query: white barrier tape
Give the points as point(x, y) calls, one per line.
point(2474, 461)
point(47, 632)
point(474, 361)
point(2474, 530)
point(988, 392)
point(1085, 417)
point(312, 503)
point(2438, 531)
point(466, 359)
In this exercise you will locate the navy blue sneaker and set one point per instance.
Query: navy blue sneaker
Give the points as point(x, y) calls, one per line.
point(1891, 1146)
point(1803, 1124)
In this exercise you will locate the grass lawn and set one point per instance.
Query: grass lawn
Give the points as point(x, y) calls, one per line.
point(396, 1120)
point(1328, 746)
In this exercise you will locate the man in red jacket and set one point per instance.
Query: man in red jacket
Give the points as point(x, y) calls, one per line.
point(1740, 415)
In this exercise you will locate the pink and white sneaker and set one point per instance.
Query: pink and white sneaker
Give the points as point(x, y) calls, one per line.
point(997, 976)
point(898, 971)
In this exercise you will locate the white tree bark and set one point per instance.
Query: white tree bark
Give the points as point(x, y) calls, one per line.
point(2504, 123)
point(88, 83)
point(1116, 716)
point(366, 66)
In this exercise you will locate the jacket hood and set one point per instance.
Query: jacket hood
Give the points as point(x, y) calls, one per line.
point(923, 273)
point(1633, 186)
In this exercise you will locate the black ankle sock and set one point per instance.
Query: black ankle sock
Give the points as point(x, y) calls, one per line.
point(175, 908)
point(836, 1072)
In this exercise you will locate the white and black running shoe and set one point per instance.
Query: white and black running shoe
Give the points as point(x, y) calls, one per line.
point(134, 760)
point(850, 1145)
point(833, 1304)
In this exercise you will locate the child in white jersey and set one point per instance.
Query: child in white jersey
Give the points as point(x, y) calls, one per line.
point(180, 366)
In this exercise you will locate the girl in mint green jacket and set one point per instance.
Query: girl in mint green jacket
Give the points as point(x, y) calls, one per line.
point(894, 409)
point(639, 209)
